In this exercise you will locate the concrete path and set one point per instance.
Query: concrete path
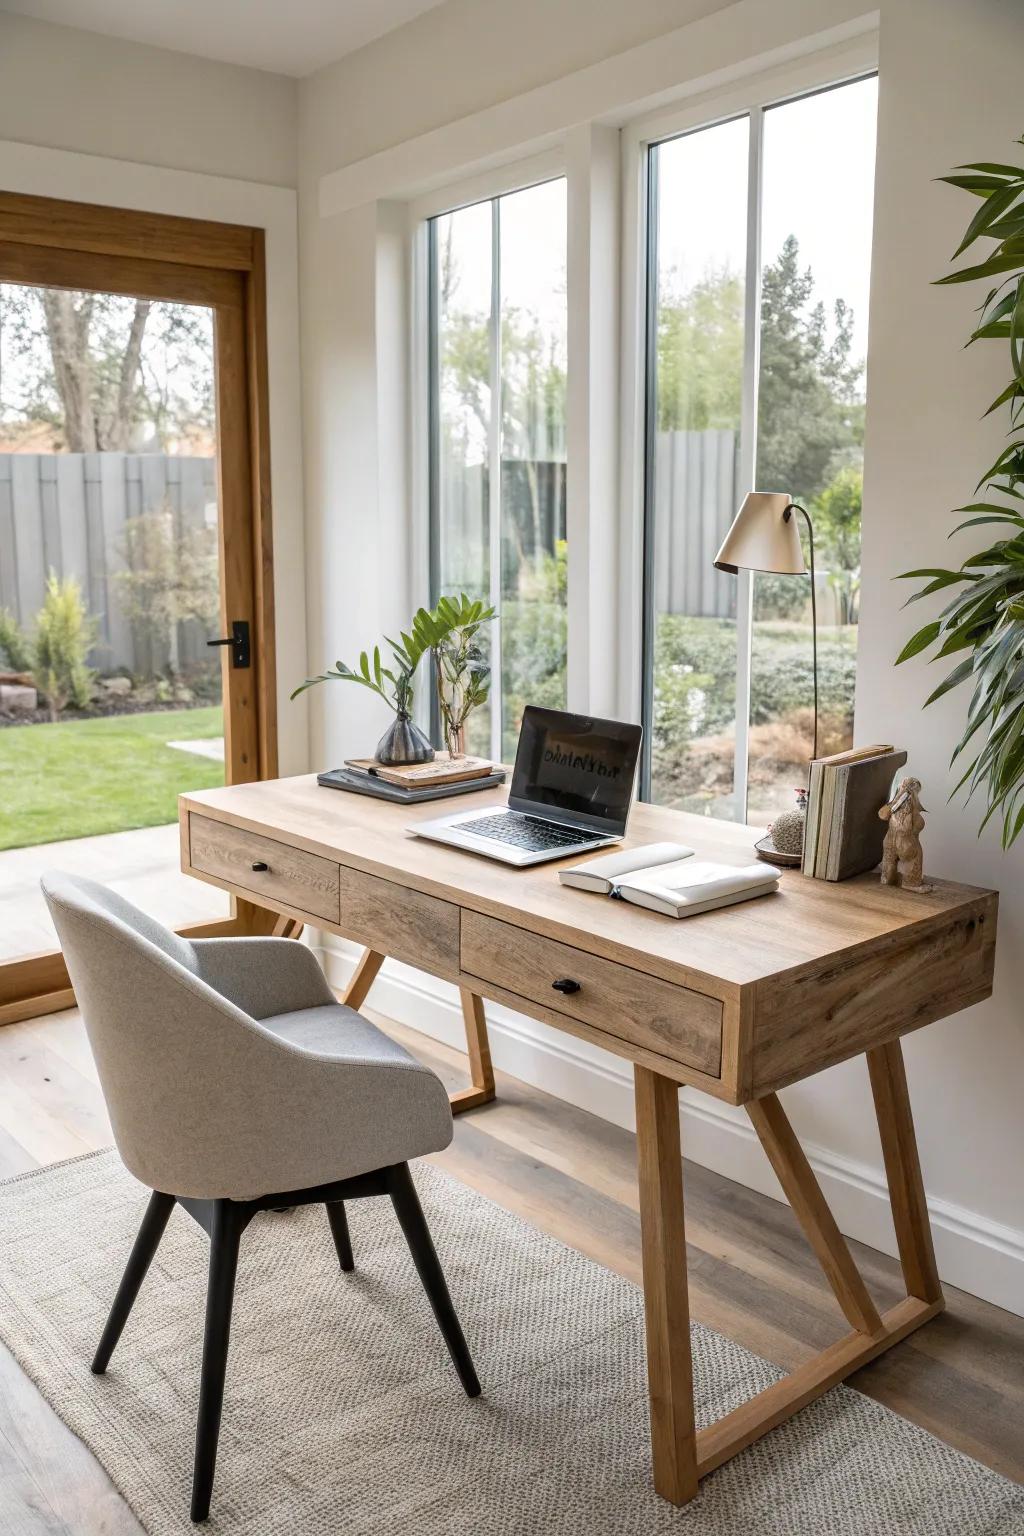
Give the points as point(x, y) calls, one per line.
point(142, 865)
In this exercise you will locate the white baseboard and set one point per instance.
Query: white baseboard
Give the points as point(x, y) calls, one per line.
point(975, 1254)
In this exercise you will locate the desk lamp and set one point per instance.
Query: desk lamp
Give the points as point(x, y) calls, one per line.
point(765, 537)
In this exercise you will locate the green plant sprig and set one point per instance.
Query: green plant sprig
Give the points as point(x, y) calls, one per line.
point(985, 618)
point(393, 686)
point(429, 630)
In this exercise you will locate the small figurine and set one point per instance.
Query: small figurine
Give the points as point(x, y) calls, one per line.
point(902, 845)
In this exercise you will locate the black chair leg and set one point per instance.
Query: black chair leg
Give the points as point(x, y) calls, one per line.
point(339, 1231)
point(146, 1243)
point(229, 1221)
point(417, 1234)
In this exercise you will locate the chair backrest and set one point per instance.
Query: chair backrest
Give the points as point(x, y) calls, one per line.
point(155, 1028)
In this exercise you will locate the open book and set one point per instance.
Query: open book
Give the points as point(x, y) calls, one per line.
point(665, 877)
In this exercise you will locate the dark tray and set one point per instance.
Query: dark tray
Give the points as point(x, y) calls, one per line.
point(380, 789)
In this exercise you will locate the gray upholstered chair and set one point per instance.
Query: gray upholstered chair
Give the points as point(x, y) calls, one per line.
point(237, 1083)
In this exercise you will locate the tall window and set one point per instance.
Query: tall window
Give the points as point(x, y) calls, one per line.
point(497, 440)
point(759, 236)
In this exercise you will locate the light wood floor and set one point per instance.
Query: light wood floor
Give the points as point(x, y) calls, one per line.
point(751, 1274)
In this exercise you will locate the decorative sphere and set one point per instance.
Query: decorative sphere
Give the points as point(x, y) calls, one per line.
point(788, 832)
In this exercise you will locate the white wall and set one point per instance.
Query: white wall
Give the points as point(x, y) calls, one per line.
point(948, 92)
point(99, 120)
point(463, 57)
point(67, 89)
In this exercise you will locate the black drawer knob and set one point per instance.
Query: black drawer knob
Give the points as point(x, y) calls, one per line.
point(566, 985)
point(260, 869)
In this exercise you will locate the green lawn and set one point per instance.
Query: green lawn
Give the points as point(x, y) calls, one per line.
point(81, 777)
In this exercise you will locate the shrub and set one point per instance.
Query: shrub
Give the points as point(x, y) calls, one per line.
point(171, 576)
point(780, 597)
point(15, 648)
point(64, 637)
point(695, 676)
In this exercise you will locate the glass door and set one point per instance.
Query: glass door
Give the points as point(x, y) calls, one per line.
point(127, 589)
point(110, 697)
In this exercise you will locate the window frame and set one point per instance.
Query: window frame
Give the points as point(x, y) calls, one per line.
point(489, 187)
point(826, 69)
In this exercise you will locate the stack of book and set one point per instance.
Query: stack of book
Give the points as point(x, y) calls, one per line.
point(442, 769)
point(843, 834)
point(409, 783)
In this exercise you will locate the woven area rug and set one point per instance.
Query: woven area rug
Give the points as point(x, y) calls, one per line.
point(343, 1413)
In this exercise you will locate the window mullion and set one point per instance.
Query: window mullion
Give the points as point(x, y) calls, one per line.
point(494, 510)
point(748, 452)
point(650, 436)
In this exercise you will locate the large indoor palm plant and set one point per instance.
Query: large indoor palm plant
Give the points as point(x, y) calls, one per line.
point(983, 624)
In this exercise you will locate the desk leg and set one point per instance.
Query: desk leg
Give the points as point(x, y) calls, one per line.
point(903, 1171)
point(803, 1192)
point(363, 978)
point(477, 1044)
point(666, 1301)
point(478, 1047)
point(873, 1334)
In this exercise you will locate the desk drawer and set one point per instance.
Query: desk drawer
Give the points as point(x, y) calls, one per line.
point(273, 872)
point(406, 924)
point(642, 1009)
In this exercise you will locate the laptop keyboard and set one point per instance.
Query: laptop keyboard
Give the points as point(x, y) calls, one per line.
point(527, 833)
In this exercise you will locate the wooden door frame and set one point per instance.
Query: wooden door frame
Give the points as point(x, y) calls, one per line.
point(50, 242)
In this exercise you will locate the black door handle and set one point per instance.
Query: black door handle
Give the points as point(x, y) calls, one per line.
point(260, 869)
point(241, 652)
point(566, 985)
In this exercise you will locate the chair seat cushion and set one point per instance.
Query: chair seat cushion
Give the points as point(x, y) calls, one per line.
point(390, 1108)
point(340, 1032)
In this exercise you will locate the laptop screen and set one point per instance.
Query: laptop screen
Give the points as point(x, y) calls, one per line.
point(575, 768)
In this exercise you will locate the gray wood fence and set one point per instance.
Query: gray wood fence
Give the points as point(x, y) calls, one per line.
point(695, 502)
point(66, 512)
point(695, 478)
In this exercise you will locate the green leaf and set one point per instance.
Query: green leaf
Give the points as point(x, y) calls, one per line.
point(944, 579)
point(958, 675)
point(994, 206)
point(992, 168)
point(983, 184)
point(1003, 261)
point(993, 517)
point(919, 642)
point(1012, 391)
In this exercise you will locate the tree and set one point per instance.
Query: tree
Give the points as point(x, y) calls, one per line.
point(837, 526)
point(107, 373)
point(700, 353)
point(533, 394)
point(809, 406)
point(808, 400)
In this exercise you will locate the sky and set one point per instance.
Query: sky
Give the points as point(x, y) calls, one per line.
point(817, 184)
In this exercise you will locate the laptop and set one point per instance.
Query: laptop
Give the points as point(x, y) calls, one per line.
point(571, 790)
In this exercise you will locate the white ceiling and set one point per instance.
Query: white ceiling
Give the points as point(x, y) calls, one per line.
point(291, 37)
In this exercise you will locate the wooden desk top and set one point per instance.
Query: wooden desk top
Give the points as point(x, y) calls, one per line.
point(805, 925)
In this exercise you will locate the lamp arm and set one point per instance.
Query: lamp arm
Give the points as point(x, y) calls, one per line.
point(814, 610)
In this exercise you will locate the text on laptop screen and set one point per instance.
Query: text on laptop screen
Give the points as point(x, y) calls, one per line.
point(575, 764)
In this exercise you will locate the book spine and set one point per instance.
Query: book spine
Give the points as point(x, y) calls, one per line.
point(813, 816)
point(835, 848)
point(828, 789)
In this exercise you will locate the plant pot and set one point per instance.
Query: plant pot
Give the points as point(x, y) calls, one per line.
point(404, 742)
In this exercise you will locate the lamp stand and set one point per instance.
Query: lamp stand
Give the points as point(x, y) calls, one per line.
point(814, 609)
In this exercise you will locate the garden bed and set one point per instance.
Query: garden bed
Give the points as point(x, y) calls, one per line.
point(103, 709)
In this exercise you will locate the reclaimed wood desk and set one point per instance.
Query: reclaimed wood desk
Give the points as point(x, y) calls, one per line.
point(737, 1003)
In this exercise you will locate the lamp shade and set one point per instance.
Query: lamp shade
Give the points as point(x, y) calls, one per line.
point(763, 538)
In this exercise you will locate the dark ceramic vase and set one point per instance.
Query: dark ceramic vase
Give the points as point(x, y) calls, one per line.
point(404, 742)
